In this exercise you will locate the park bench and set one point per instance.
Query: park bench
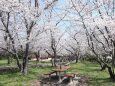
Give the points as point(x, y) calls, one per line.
point(50, 73)
point(71, 76)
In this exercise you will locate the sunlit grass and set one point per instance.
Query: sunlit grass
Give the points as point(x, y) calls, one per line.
point(91, 70)
point(16, 79)
point(96, 76)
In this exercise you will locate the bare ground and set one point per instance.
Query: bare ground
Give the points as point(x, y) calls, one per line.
point(82, 81)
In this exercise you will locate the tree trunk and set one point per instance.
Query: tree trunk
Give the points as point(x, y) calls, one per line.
point(103, 67)
point(76, 59)
point(112, 75)
point(8, 60)
point(17, 60)
point(55, 62)
point(25, 61)
point(37, 55)
point(52, 62)
point(54, 58)
point(113, 57)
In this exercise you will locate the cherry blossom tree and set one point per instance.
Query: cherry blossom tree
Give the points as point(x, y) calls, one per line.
point(19, 19)
point(94, 17)
point(76, 42)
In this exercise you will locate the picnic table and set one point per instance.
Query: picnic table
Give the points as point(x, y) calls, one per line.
point(60, 70)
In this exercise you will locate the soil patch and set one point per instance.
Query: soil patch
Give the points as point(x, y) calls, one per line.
point(8, 69)
point(77, 81)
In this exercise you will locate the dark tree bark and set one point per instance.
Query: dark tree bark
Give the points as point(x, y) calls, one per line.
point(25, 60)
point(76, 59)
point(103, 67)
point(6, 26)
point(8, 59)
point(111, 73)
point(37, 55)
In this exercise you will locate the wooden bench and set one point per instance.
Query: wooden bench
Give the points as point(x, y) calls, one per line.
point(50, 73)
point(71, 76)
point(74, 73)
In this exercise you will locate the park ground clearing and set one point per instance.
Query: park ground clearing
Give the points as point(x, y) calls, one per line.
point(88, 69)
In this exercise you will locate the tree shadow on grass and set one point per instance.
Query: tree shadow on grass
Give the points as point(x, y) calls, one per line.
point(1, 84)
point(3, 64)
point(97, 69)
point(84, 69)
point(100, 81)
point(7, 82)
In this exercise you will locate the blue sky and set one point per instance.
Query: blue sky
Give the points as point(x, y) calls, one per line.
point(63, 25)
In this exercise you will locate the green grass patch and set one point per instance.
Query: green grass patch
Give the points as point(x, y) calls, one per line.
point(16, 79)
point(91, 70)
point(3, 62)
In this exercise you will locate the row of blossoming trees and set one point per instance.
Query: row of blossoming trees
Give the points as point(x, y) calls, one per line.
point(64, 27)
point(22, 21)
point(96, 18)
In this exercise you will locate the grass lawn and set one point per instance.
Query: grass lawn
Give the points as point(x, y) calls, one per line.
point(92, 70)
point(97, 77)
